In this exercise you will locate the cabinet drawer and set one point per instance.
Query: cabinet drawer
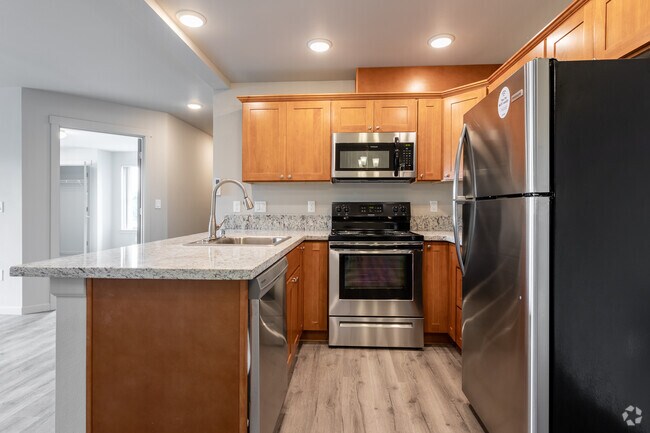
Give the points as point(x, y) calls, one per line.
point(294, 259)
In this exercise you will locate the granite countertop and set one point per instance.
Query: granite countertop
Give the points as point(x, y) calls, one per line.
point(171, 259)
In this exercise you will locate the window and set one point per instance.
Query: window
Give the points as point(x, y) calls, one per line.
point(129, 197)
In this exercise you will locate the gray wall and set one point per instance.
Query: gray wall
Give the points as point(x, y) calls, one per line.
point(285, 198)
point(11, 194)
point(31, 171)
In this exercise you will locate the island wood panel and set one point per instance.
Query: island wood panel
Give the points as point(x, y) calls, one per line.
point(435, 287)
point(315, 280)
point(454, 108)
point(538, 50)
point(167, 356)
point(574, 38)
point(264, 139)
point(620, 27)
point(308, 149)
point(395, 115)
point(352, 116)
point(429, 139)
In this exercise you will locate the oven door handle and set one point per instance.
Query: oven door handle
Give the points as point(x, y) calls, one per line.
point(371, 252)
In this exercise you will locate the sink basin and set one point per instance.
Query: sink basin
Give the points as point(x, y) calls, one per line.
point(268, 241)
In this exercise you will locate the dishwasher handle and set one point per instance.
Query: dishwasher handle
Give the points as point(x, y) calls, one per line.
point(258, 287)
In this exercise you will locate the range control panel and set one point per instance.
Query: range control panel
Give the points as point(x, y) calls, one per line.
point(364, 209)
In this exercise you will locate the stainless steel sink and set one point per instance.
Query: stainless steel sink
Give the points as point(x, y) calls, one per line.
point(256, 241)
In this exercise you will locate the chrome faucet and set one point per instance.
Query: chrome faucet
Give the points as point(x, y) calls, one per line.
point(214, 230)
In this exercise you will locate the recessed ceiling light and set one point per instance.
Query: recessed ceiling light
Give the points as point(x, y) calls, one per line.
point(319, 45)
point(194, 106)
point(441, 41)
point(191, 18)
point(62, 134)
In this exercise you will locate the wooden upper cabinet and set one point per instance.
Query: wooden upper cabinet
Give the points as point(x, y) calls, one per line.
point(352, 116)
point(538, 50)
point(435, 287)
point(395, 115)
point(620, 27)
point(429, 140)
point(453, 110)
point(389, 115)
point(315, 265)
point(264, 134)
point(574, 38)
point(308, 141)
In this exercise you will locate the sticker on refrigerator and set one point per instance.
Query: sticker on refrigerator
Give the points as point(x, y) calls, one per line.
point(503, 104)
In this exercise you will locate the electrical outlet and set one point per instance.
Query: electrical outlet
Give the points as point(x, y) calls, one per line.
point(2, 274)
point(433, 206)
point(157, 203)
point(215, 181)
point(311, 206)
point(260, 206)
point(236, 206)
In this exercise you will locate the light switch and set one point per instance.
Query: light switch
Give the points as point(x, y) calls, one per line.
point(236, 206)
point(433, 206)
point(215, 181)
point(311, 206)
point(157, 203)
point(2, 274)
point(260, 206)
point(2, 207)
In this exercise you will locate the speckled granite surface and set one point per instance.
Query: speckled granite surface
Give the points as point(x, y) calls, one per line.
point(278, 222)
point(436, 235)
point(171, 259)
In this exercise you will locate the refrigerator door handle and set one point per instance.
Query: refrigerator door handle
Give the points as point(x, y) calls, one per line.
point(456, 199)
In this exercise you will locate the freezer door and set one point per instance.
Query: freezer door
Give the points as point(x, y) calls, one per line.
point(508, 136)
point(505, 314)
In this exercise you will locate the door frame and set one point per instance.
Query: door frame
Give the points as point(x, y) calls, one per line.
point(56, 123)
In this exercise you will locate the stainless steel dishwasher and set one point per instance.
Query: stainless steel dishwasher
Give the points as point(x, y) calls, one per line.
point(268, 371)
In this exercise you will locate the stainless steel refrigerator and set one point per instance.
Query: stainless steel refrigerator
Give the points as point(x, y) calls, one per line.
point(556, 249)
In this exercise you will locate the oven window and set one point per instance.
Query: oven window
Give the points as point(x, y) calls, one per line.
point(376, 276)
point(364, 160)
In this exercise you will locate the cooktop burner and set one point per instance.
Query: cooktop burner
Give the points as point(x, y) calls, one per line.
point(372, 221)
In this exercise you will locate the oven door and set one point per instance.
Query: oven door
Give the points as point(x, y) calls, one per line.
point(375, 279)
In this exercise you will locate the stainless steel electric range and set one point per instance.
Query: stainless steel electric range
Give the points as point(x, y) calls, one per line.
point(375, 274)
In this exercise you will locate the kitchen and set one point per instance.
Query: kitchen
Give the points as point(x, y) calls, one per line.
point(287, 202)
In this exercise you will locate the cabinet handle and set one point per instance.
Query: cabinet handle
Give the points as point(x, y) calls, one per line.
point(428, 247)
point(370, 128)
point(294, 280)
point(421, 175)
point(447, 175)
point(289, 177)
point(282, 176)
point(377, 128)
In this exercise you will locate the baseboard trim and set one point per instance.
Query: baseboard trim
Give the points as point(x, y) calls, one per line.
point(29, 309)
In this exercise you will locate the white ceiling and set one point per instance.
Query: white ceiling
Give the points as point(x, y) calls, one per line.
point(100, 141)
point(266, 40)
point(115, 50)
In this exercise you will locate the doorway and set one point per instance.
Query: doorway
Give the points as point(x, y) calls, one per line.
point(100, 191)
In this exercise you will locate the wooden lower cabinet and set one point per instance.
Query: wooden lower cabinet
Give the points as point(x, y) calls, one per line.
point(435, 287)
point(292, 300)
point(455, 304)
point(315, 282)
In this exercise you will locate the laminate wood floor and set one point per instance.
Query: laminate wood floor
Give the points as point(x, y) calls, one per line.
point(332, 390)
point(27, 373)
point(377, 391)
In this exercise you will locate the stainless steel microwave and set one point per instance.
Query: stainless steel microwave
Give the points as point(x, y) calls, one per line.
point(374, 157)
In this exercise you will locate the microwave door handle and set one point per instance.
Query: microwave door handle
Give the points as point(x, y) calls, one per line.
point(396, 162)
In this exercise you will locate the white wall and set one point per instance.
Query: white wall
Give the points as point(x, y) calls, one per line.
point(118, 237)
point(285, 198)
point(11, 194)
point(34, 173)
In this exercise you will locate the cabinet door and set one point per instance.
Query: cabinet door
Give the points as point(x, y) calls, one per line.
point(429, 162)
point(459, 327)
point(289, 299)
point(315, 264)
point(308, 141)
point(573, 39)
point(264, 135)
point(352, 116)
point(395, 115)
point(292, 313)
point(301, 294)
point(435, 287)
point(453, 110)
point(453, 282)
point(620, 27)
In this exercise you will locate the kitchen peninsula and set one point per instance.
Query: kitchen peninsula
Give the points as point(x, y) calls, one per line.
point(153, 337)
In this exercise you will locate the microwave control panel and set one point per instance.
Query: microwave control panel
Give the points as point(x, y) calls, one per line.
point(406, 156)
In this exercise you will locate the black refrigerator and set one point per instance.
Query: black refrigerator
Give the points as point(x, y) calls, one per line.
point(555, 166)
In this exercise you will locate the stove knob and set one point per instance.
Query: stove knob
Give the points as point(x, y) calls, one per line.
point(338, 209)
point(403, 209)
point(395, 209)
point(346, 209)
